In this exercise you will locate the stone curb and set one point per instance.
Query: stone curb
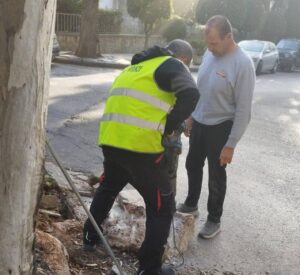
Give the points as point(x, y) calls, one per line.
point(93, 63)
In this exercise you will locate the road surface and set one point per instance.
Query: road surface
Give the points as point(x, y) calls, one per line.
point(261, 221)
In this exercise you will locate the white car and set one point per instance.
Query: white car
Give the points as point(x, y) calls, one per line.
point(264, 54)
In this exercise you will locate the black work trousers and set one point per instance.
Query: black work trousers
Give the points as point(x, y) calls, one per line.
point(207, 142)
point(149, 175)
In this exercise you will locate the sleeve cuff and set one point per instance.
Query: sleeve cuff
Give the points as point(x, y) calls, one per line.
point(232, 142)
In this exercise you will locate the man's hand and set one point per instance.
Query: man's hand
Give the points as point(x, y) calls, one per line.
point(226, 155)
point(188, 126)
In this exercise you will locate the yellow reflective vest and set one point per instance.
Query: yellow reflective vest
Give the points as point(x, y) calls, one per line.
point(136, 111)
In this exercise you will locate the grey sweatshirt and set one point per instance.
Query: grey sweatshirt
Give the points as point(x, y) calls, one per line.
point(226, 86)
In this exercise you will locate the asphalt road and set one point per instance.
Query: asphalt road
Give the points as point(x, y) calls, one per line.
point(261, 221)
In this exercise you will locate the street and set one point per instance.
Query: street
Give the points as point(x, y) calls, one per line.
point(261, 220)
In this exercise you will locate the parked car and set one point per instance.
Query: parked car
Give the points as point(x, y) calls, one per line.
point(289, 54)
point(264, 54)
point(55, 48)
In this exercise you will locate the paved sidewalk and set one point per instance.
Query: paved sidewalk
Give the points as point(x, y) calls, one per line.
point(114, 61)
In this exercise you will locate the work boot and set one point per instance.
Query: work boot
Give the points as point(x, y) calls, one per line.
point(90, 241)
point(183, 208)
point(167, 270)
point(209, 230)
point(89, 244)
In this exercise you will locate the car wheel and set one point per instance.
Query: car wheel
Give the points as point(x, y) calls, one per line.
point(259, 67)
point(275, 68)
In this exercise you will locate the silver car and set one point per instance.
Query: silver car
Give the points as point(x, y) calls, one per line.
point(264, 54)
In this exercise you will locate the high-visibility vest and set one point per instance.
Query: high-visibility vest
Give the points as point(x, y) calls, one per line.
point(136, 110)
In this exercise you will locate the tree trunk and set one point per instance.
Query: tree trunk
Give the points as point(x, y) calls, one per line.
point(89, 30)
point(146, 43)
point(147, 30)
point(26, 28)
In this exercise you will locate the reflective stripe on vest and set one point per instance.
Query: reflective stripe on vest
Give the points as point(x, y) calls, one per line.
point(133, 121)
point(142, 96)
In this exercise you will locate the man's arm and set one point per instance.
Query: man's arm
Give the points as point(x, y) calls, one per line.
point(243, 94)
point(173, 76)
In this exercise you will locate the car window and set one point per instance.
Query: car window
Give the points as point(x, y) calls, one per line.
point(252, 46)
point(288, 45)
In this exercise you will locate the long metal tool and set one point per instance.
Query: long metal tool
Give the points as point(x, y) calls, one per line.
point(90, 216)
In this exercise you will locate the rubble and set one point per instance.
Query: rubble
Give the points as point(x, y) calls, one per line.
point(178, 241)
point(54, 253)
point(125, 226)
point(49, 202)
point(61, 252)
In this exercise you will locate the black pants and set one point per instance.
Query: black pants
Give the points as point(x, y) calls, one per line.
point(150, 177)
point(207, 142)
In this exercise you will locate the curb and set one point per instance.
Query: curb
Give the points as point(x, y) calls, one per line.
point(82, 62)
point(89, 63)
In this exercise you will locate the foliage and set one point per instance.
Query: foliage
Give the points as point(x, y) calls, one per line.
point(175, 29)
point(254, 15)
point(235, 10)
point(207, 9)
point(199, 47)
point(274, 26)
point(109, 21)
point(69, 6)
point(149, 12)
point(293, 19)
point(185, 9)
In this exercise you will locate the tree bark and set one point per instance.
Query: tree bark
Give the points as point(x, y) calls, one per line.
point(89, 30)
point(147, 30)
point(26, 28)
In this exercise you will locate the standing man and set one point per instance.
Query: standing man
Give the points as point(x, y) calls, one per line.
point(148, 100)
point(226, 81)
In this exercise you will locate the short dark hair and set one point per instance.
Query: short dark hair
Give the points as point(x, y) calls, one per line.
point(221, 23)
point(181, 48)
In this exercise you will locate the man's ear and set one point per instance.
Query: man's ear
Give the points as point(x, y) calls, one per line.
point(185, 60)
point(229, 36)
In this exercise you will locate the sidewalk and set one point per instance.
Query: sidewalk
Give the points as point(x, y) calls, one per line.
point(113, 61)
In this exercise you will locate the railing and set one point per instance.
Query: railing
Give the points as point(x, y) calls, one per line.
point(66, 22)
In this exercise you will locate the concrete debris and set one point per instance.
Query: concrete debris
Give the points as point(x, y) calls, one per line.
point(50, 213)
point(67, 226)
point(54, 253)
point(49, 202)
point(125, 226)
point(184, 225)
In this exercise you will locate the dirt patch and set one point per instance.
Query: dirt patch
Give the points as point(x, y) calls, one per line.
point(55, 218)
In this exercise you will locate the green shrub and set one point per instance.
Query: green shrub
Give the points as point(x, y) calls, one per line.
point(69, 6)
point(199, 47)
point(109, 21)
point(175, 29)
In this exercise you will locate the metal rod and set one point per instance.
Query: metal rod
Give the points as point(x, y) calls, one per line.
point(90, 216)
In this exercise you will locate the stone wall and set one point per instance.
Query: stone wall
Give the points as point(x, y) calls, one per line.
point(110, 43)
